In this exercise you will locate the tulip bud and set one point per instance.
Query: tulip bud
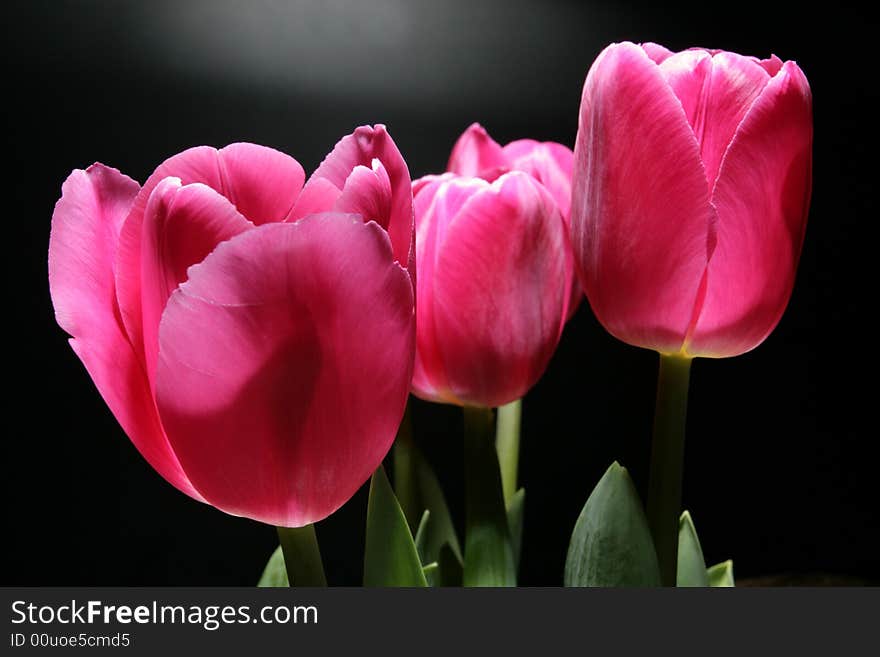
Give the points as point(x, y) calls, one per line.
point(494, 274)
point(691, 187)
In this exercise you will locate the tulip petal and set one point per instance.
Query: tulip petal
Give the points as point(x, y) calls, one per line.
point(500, 294)
point(182, 225)
point(549, 163)
point(656, 52)
point(262, 183)
point(368, 193)
point(762, 195)
point(437, 201)
point(429, 180)
point(82, 249)
point(360, 148)
point(686, 73)
point(476, 154)
point(716, 91)
point(284, 366)
point(641, 217)
point(771, 65)
point(319, 195)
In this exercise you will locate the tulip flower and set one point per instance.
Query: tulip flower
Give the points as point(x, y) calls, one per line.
point(477, 154)
point(494, 274)
point(494, 282)
point(690, 194)
point(691, 187)
point(253, 337)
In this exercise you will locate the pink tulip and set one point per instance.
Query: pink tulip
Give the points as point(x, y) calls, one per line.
point(494, 275)
point(477, 154)
point(690, 195)
point(254, 338)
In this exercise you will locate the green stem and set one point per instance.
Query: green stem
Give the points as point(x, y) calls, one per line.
point(302, 557)
point(488, 553)
point(405, 487)
point(507, 445)
point(667, 461)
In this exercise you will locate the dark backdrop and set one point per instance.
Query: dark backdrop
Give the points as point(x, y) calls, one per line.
point(781, 460)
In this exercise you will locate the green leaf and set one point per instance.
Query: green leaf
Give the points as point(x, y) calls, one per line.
point(721, 574)
point(421, 534)
point(390, 556)
point(691, 564)
point(431, 568)
point(488, 553)
point(611, 544)
point(515, 522)
point(274, 574)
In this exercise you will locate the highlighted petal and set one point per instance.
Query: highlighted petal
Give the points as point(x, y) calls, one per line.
point(420, 183)
point(771, 65)
point(360, 148)
point(715, 91)
point(82, 249)
point(261, 182)
point(477, 154)
point(319, 195)
point(501, 291)
point(656, 52)
point(641, 218)
point(368, 193)
point(284, 366)
point(549, 163)
point(437, 201)
point(762, 196)
point(182, 225)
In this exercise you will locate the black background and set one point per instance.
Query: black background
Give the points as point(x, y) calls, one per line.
point(781, 458)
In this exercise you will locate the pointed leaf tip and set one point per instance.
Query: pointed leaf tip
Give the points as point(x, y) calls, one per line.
point(721, 574)
point(611, 544)
point(275, 573)
point(691, 564)
point(390, 556)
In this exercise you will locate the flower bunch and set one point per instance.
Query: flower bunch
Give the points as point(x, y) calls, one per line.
point(257, 333)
